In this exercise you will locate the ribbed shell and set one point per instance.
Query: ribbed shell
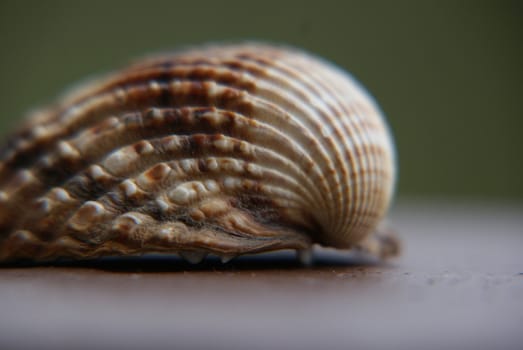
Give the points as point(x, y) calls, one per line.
point(225, 149)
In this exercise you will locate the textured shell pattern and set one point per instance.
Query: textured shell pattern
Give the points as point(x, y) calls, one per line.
point(225, 149)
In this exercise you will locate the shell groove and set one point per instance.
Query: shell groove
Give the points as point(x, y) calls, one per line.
point(228, 149)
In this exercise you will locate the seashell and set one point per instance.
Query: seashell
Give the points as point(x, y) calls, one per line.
point(225, 150)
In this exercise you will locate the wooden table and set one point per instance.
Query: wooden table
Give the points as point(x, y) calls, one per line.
point(459, 284)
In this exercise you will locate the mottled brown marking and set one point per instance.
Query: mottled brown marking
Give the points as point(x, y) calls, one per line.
point(141, 147)
point(197, 215)
point(158, 172)
point(240, 66)
point(104, 125)
point(202, 166)
point(83, 187)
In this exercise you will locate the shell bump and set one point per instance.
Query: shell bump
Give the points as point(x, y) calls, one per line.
point(224, 149)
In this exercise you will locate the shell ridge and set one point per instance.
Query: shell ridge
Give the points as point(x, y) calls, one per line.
point(327, 192)
point(355, 132)
point(314, 122)
point(117, 176)
point(361, 133)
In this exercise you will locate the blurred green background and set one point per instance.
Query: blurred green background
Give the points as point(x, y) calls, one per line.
point(448, 74)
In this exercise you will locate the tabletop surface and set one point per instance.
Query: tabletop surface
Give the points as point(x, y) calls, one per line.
point(458, 284)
